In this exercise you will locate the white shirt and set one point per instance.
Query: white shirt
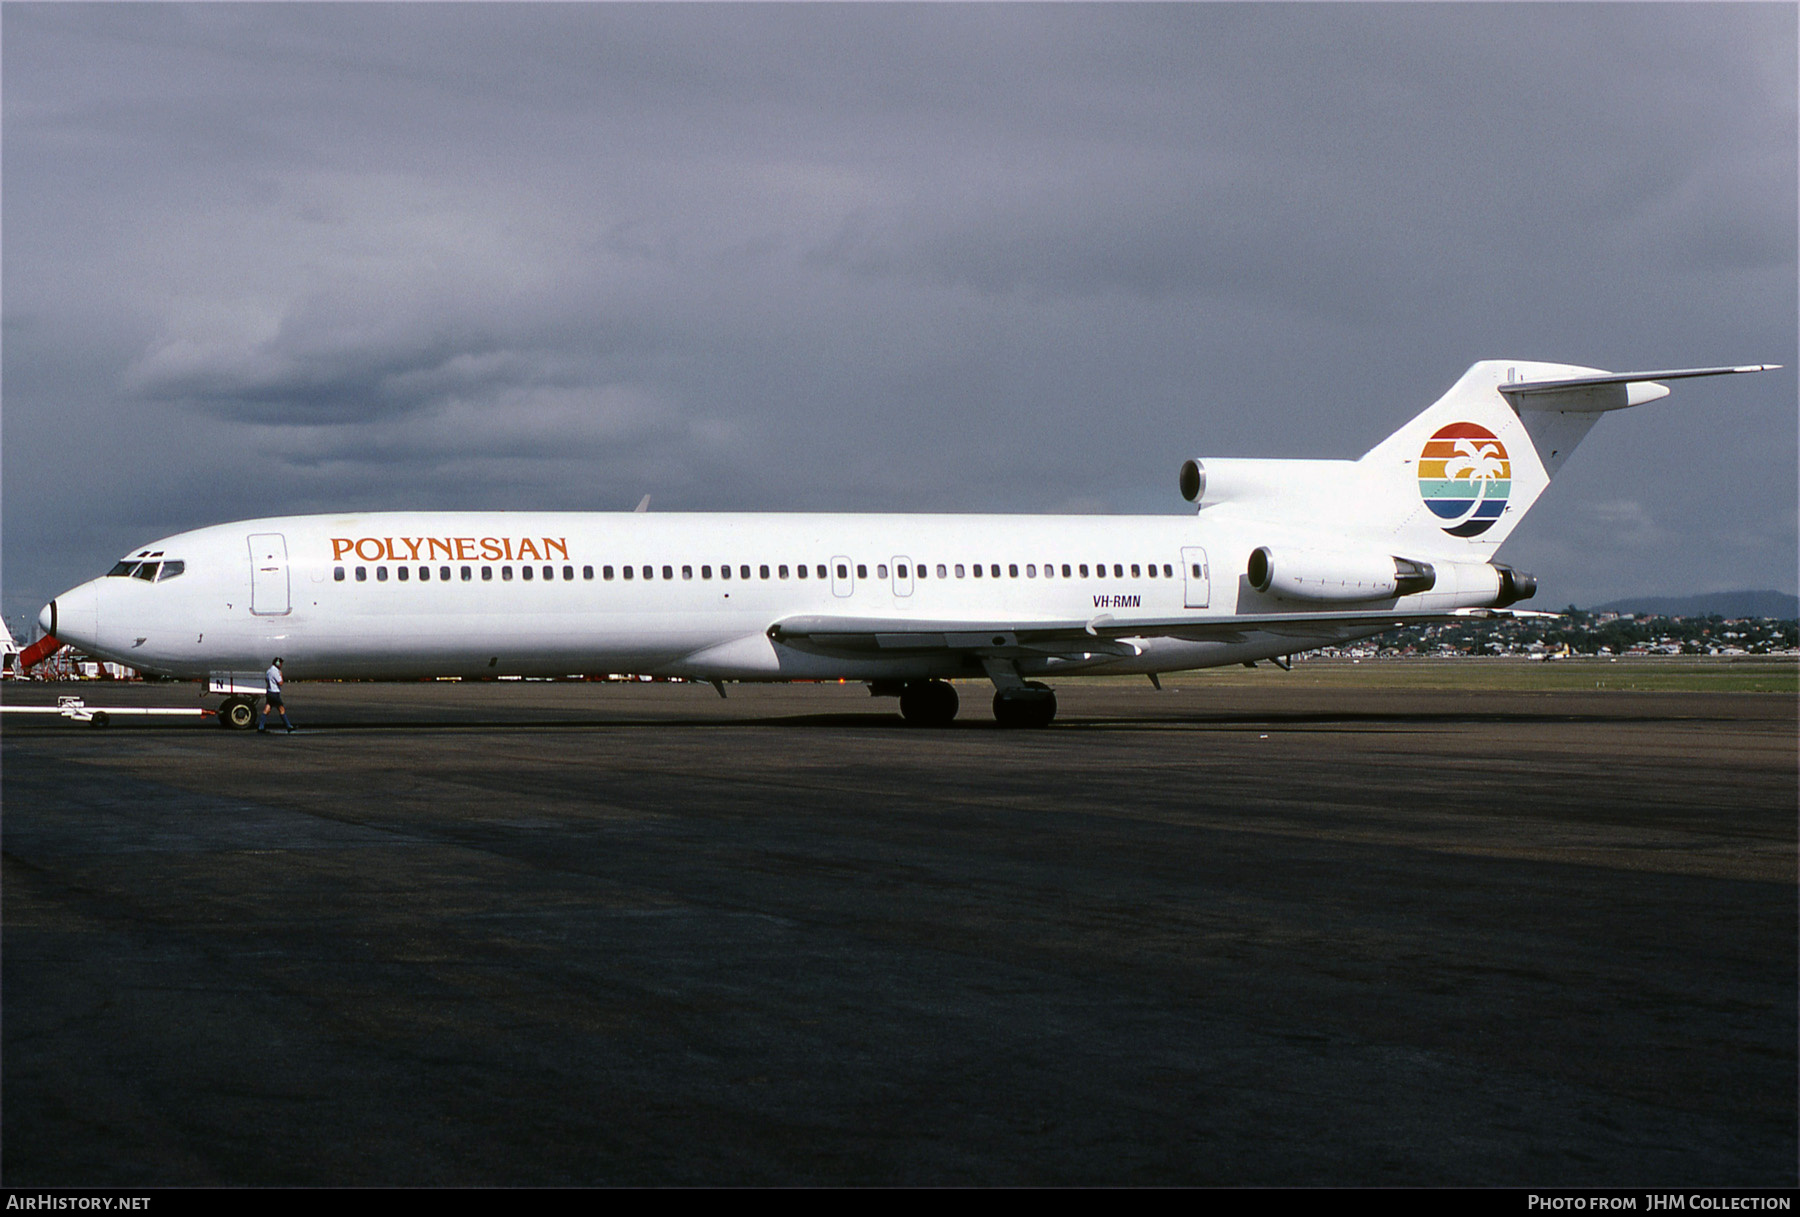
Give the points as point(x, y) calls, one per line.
point(273, 679)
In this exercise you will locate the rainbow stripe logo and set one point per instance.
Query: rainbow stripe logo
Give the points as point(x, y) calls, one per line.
point(1464, 477)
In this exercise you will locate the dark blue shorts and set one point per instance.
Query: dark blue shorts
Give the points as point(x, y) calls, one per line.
point(274, 698)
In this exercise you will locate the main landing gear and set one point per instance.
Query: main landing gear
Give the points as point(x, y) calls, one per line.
point(237, 713)
point(933, 703)
point(1019, 702)
point(1031, 704)
point(928, 703)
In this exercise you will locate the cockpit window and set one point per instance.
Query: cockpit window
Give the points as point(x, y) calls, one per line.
point(123, 568)
point(169, 570)
point(146, 571)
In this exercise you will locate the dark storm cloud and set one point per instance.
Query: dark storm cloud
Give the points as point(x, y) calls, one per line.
point(294, 257)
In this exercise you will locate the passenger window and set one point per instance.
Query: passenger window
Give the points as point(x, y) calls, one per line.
point(649, 572)
point(743, 572)
point(381, 574)
point(587, 572)
point(1031, 570)
point(843, 571)
point(402, 573)
point(1012, 570)
point(900, 572)
point(362, 574)
point(487, 574)
point(687, 572)
point(549, 574)
point(1084, 573)
point(706, 572)
point(337, 574)
point(1168, 572)
point(468, 573)
point(568, 574)
point(976, 567)
point(424, 574)
point(629, 571)
point(725, 571)
point(800, 570)
point(881, 570)
point(782, 571)
point(862, 571)
point(444, 573)
point(606, 572)
point(763, 570)
point(1135, 574)
point(668, 572)
point(525, 573)
point(820, 570)
point(1118, 571)
point(959, 570)
point(506, 574)
point(994, 570)
point(940, 571)
point(1066, 574)
point(1196, 570)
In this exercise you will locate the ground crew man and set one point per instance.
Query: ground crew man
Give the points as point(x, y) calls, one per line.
point(272, 700)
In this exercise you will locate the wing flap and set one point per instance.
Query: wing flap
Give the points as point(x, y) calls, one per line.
point(1104, 635)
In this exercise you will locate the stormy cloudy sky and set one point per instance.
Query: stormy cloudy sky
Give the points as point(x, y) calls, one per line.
point(264, 259)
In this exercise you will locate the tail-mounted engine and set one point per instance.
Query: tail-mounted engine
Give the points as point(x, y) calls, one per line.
point(1347, 577)
point(1336, 577)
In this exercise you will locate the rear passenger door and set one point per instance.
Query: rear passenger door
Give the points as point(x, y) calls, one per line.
point(1196, 577)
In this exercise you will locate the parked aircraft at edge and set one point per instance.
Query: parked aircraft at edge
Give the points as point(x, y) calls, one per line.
point(1282, 556)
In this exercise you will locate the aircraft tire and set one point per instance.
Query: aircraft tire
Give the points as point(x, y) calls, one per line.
point(929, 703)
point(237, 714)
point(1032, 706)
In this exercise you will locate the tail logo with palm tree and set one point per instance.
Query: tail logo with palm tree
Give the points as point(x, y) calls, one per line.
point(1464, 478)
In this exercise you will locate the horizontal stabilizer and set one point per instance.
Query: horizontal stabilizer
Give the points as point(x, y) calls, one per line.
point(1611, 391)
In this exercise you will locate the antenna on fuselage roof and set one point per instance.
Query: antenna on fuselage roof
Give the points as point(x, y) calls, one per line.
point(643, 504)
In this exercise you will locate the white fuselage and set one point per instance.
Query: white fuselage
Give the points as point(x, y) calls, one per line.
point(396, 595)
point(1281, 556)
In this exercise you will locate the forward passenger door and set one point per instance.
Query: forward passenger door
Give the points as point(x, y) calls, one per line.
point(268, 574)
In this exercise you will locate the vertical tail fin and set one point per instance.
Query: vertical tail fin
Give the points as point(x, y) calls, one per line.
point(1458, 478)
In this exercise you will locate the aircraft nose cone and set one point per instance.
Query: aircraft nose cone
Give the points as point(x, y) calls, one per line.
point(74, 616)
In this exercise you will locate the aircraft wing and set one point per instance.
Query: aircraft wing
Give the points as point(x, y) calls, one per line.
point(1102, 634)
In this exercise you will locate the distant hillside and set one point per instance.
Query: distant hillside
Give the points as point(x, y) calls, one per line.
point(1725, 604)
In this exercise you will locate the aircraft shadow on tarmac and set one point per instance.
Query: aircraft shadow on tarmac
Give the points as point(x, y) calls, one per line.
point(887, 721)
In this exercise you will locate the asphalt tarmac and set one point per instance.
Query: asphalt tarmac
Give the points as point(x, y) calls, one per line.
point(564, 934)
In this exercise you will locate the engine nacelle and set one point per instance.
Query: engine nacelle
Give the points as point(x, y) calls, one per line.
point(1255, 480)
point(1336, 576)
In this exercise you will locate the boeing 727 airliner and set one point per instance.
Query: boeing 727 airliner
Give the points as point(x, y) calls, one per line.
point(1282, 556)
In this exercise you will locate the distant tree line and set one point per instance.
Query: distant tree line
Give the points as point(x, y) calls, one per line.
point(1587, 633)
